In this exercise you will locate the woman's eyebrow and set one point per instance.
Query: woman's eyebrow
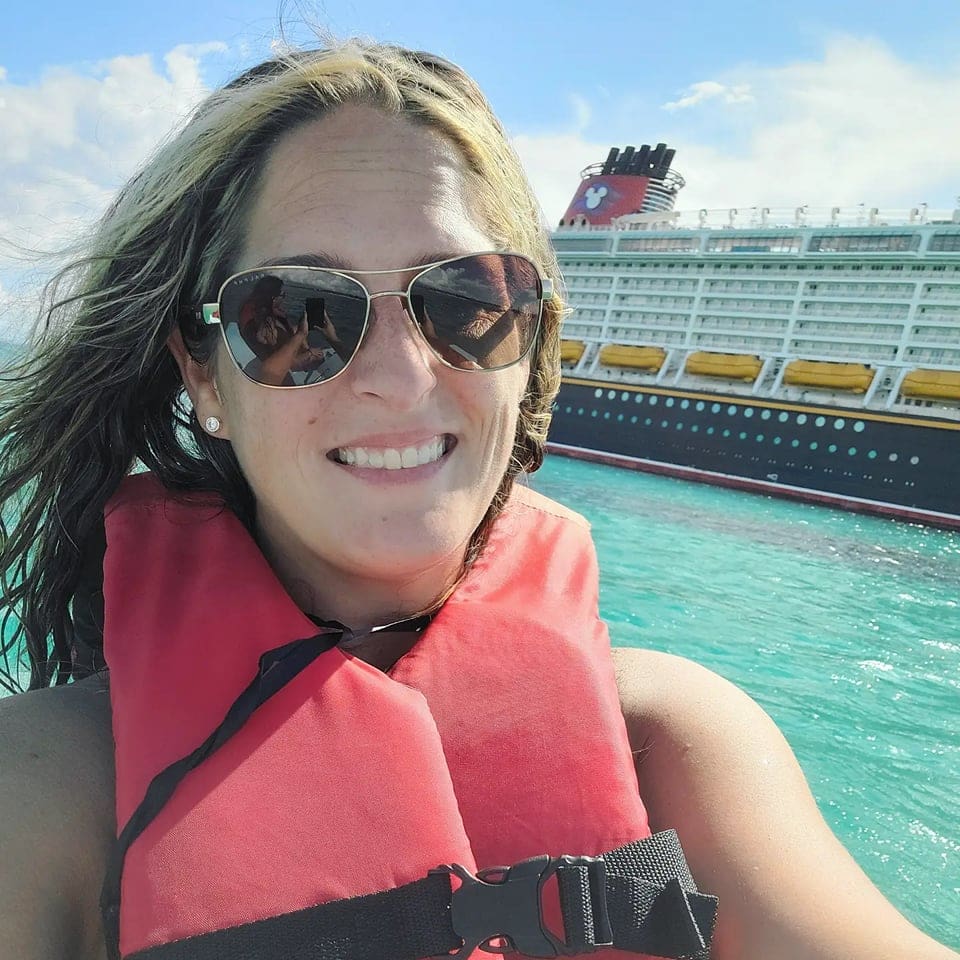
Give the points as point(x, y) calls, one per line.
point(321, 258)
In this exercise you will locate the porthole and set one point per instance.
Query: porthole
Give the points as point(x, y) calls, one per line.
point(679, 425)
point(872, 454)
point(715, 408)
point(619, 418)
point(684, 404)
point(759, 438)
point(765, 414)
point(893, 458)
point(648, 422)
point(669, 401)
point(820, 421)
point(914, 461)
point(784, 416)
point(701, 406)
point(839, 423)
point(801, 418)
point(732, 410)
point(743, 435)
point(580, 412)
point(624, 397)
point(633, 419)
point(694, 428)
point(794, 442)
point(638, 398)
point(567, 410)
point(611, 394)
point(832, 448)
point(606, 415)
point(593, 413)
point(858, 426)
point(598, 393)
point(852, 451)
point(813, 446)
point(726, 433)
point(748, 412)
point(653, 400)
point(710, 431)
point(777, 441)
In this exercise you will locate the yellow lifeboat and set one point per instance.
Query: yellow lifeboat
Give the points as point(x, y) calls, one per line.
point(637, 358)
point(732, 366)
point(932, 384)
point(855, 377)
point(571, 350)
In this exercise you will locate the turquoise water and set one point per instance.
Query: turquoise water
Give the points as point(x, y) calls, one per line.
point(846, 629)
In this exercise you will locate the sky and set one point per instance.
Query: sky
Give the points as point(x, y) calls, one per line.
point(766, 103)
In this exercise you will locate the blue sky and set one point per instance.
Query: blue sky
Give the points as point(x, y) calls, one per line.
point(767, 103)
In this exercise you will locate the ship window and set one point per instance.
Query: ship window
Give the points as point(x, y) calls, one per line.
point(700, 405)
point(764, 414)
point(801, 418)
point(710, 431)
point(684, 404)
point(872, 454)
point(858, 426)
point(914, 461)
point(726, 433)
point(732, 409)
point(893, 458)
point(839, 423)
point(715, 408)
point(694, 428)
point(743, 435)
point(941, 242)
point(624, 397)
point(820, 421)
point(679, 425)
point(598, 393)
point(593, 413)
point(664, 424)
point(669, 401)
point(568, 410)
point(580, 412)
point(748, 412)
point(638, 398)
point(784, 416)
point(759, 438)
point(619, 418)
point(794, 443)
point(852, 451)
point(813, 446)
point(776, 441)
point(606, 415)
point(653, 401)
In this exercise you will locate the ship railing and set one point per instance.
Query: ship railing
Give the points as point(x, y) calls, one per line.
point(773, 218)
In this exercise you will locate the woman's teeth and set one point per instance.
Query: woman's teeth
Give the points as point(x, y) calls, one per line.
point(389, 458)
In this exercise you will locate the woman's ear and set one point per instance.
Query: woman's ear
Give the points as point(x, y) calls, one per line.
point(200, 384)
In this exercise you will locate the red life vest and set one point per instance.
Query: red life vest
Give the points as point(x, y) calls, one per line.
point(498, 737)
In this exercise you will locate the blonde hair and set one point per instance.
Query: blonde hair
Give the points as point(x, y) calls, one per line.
point(101, 390)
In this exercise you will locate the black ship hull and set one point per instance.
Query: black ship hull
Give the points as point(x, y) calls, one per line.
point(887, 464)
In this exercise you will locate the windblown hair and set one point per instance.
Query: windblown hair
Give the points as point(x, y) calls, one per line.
point(100, 391)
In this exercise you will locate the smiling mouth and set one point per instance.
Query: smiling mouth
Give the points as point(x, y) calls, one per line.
point(394, 458)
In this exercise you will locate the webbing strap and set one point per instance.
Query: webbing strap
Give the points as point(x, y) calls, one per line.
point(639, 897)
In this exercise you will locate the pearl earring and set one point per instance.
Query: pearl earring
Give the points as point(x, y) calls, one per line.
point(212, 424)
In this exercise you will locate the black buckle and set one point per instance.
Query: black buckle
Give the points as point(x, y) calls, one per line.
point(505, 904)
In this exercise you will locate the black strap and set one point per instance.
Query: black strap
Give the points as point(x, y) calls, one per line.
point(276, 669)
point(639, 897)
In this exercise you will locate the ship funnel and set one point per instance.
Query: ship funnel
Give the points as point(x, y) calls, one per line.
point(634, 180)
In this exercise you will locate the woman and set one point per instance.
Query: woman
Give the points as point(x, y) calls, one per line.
point(381, 654)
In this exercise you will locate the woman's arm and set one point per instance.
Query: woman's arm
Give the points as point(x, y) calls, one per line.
point(56, 821)
point(715, 767)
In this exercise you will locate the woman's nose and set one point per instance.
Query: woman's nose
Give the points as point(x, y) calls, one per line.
point(394, 361)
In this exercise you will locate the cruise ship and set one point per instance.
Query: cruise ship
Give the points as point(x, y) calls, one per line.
point(798, 353)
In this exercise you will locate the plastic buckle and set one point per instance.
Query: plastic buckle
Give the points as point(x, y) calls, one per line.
point(509, 909)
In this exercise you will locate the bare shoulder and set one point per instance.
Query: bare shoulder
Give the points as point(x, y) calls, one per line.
point(56, 819)
point(713, 765)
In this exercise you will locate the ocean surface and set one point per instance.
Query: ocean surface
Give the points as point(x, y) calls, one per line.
point(846, 629)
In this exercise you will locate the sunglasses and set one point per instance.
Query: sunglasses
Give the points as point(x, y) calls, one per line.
point(293, 326)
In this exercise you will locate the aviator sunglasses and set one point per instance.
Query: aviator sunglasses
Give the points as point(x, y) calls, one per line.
point(297, 326)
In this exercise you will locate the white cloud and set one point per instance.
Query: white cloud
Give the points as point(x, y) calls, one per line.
point(69, 140)
point(856, 125)
point(711, 90)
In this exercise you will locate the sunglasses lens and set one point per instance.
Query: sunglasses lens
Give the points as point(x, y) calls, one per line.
point(479, 312)
point(292, 326)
